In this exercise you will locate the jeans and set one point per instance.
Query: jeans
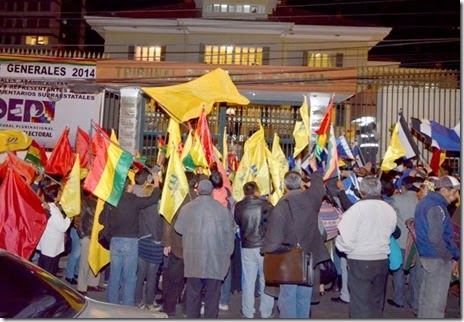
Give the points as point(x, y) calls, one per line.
point(225, 288)
point(85, 277)
point(434, 288)
point(252, 267)
point(72, 267)
point(294, 301)
point(123, 273)
point(367, 282)
point(398, 282)
point(344, 292)
point(415, 281)
point(212, 290)
point(148, 271)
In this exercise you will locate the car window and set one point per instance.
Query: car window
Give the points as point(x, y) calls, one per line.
point(27, 291)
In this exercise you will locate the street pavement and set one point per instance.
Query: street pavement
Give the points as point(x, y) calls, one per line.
point(326, 309)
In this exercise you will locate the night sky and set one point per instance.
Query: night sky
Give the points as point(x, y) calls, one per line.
point(426, 33)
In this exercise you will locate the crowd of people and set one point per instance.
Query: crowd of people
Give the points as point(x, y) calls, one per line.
point(215, 245)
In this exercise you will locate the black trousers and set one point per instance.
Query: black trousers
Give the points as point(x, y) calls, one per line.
point(367, 281)
point(50, 264)
point(212, 289)
point(173, 283)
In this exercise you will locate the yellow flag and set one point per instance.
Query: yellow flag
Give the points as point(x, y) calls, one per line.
point(225, 152)
point(98, 256)
point(395, 151)
point(301, 136)
point(187, 146)
point(71, 198)
point(184, 101)
point(304, 112)
point(12, 140)
point(174, 136)
point(253, 166)
point(175, 185)
point(278, 167)
point(113, 137)
point(302, 129)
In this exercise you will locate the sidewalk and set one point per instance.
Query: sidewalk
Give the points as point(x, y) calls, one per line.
point(327, 309)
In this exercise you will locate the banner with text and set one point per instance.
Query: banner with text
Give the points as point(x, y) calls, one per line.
point(36, 97)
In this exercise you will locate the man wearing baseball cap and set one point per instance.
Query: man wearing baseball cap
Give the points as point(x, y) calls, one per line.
point(438, 252)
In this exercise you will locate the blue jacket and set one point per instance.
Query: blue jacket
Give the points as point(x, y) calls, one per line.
point(433, 228)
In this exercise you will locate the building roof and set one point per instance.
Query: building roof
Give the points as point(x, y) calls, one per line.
point(187, 9)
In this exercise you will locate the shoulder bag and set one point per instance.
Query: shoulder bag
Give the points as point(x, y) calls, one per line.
point(290, 267)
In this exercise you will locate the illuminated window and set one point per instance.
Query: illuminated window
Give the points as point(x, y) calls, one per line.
point(324, 60)
point(147, 53)
point(235, 8)
point(36, 40)
point(233, 55)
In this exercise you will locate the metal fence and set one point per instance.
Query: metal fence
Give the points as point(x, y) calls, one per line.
point(381, 94)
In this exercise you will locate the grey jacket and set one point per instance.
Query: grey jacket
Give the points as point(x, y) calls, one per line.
point(405, 206)
point(207, 231)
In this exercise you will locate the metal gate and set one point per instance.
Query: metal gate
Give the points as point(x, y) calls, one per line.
point(381, 94)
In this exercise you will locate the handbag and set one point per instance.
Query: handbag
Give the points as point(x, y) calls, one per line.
point(104, 235)
point(294, 266)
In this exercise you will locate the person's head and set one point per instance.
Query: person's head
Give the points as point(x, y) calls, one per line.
point(251, 189)
point(370, 187)
point(409, 183)
point(141, 177)
point(216, 179)
point(448, 187)
point(52, 192)
point(292, 180)
point(424, 187)
point(387, 188)
point(446, 169)
point(205, 187)
point(192, 179)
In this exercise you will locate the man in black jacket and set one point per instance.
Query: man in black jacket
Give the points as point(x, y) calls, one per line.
point(124, 227)
point(295, 220)
point(251, 215)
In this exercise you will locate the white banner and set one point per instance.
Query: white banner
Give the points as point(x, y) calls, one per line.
point(37, 97)
point(41, 70)
point(43, 111)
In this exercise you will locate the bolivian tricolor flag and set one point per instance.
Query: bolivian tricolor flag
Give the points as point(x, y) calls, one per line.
point(109, 169)
point(36, 155)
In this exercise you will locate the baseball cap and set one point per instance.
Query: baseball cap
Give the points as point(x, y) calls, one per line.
point(428, 182)
point(447, 182)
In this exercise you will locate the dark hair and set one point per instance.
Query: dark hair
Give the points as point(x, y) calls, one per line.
point(192, 179)
point(51, 192)
point(250, 188)
point(388, 188)
point(141, 177)
point(408, 183)
point(216, 179)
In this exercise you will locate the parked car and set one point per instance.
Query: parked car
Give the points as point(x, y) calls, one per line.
point(28, 291)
